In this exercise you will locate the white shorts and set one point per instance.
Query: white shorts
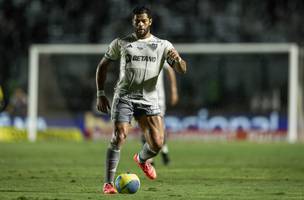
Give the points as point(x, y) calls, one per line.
point(123, 110)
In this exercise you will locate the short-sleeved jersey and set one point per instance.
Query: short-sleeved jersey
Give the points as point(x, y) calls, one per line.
point(160, 86)
point(141, 61)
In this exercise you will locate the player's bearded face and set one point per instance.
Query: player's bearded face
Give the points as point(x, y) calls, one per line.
point(142, 24)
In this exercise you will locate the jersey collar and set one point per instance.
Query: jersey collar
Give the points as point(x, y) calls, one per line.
point(143, 40)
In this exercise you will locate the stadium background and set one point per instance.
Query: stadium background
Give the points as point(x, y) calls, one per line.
point(212, 83)
point(215, 86)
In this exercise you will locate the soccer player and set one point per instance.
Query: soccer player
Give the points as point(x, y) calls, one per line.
point(1, 99)
point(162, 105)
point(141, 56)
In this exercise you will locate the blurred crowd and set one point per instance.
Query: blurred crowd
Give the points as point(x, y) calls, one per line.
point(24, 22)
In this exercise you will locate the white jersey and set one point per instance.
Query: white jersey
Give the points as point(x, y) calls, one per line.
point(141, 61)
point(160, 86)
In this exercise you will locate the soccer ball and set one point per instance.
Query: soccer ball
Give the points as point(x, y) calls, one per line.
point(127, 183)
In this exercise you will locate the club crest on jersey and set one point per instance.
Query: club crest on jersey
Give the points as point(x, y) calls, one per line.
point(153, 46)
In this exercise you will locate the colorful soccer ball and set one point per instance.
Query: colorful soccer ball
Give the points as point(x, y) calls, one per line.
point(127, 183)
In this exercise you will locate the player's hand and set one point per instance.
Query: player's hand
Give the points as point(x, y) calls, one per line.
point(176, 62)
point(173, 54)
point(103, 104)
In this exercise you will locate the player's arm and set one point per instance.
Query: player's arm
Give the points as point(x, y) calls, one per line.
point(102, 103)
point(177, 62)
point(173, 86)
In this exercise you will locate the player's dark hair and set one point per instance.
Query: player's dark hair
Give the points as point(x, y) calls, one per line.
point(142, 10)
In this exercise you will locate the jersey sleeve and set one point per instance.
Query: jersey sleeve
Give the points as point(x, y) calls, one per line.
point(166, 65)
point(168, 47)
point(113, 52)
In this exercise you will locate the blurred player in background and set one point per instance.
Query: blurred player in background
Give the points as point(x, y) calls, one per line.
point(170, 74)
point(17, 106)
point(142, 56)
point(2, 101)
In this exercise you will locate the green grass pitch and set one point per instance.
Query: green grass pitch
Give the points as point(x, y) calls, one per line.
point(199, 170)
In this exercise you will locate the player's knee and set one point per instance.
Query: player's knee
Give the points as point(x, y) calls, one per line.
point(119, 136)
point(121, 133)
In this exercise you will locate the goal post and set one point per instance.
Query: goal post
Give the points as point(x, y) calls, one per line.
point(34, 52)
point(293, 51)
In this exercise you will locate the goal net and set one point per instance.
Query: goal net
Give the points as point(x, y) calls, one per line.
point(230, 91)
